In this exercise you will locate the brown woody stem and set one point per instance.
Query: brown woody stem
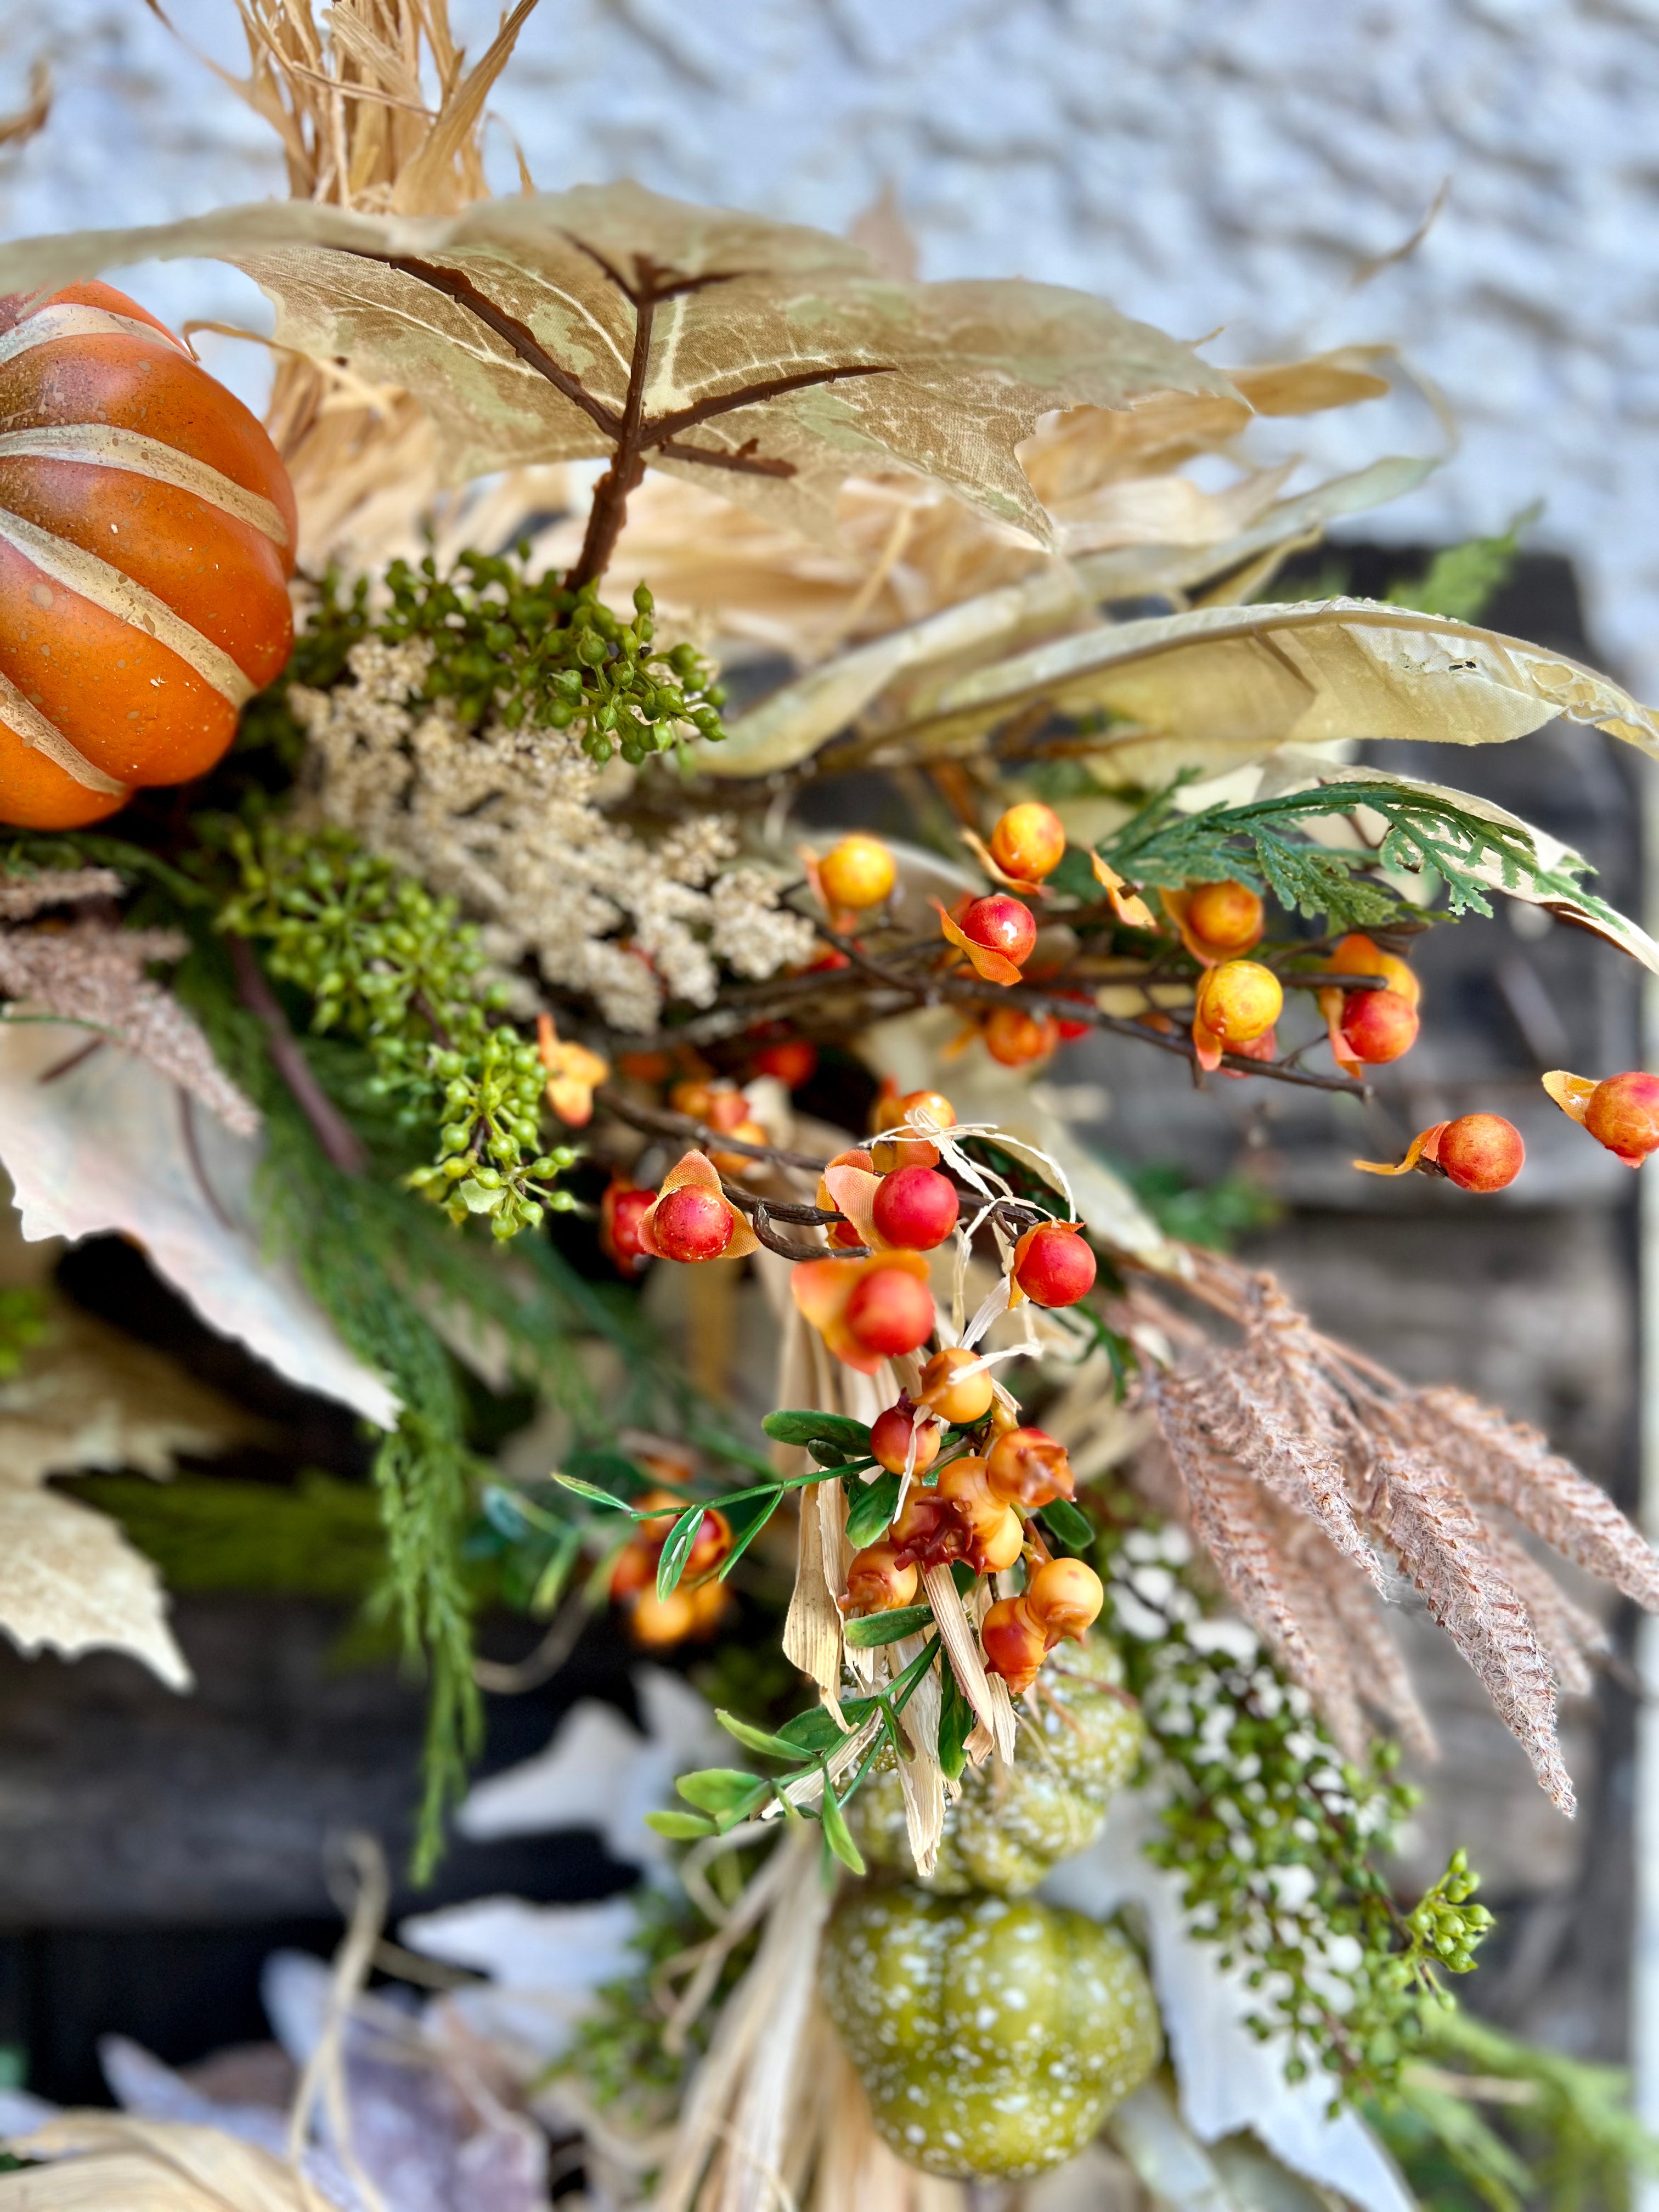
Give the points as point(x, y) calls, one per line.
point(342, 1146)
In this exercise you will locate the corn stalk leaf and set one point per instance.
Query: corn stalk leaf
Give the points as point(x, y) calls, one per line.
point(1219, 687)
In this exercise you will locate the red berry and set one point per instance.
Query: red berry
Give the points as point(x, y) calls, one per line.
point(691, 1224)
point(1015, 1646)
point(1483, 1151)
point(1379, 1025)
point(792, 1062)
point(1052, 1265)
point(1001, 924)
point(878, 1581)
point(889, 1438)
point(1623, 1114)
point(916, 1207)
point(621, 1211)
point(891, 1311)
point(1070, 1031)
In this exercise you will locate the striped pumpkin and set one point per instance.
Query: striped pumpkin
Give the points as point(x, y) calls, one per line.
point(147, 532)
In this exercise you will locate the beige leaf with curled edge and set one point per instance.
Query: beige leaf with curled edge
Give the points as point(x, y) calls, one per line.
point(781, 361)
point(794, 722)
point(111, 1145)
point(1549, 884)
point(96, 2161)
point(1220, 686)
point(88, 1397)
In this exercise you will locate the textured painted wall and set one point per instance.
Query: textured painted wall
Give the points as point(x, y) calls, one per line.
point(1231, 163)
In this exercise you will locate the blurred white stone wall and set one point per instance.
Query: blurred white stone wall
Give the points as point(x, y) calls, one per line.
point(1231, 164)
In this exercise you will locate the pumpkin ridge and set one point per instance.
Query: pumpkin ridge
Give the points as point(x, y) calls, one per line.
point(107, 446)
point(74, 320)
point(31, 728)
point(106, 587)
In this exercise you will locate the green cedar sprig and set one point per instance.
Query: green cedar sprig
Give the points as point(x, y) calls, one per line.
point(539, 655)
point(1264, 843)
point(1276, 1838)
point(387, 963)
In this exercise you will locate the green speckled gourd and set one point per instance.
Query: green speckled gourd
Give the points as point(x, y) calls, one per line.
point(992, 2035)
point(1012, 1824)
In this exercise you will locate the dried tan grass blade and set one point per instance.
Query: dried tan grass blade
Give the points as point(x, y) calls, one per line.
point(1433, 1531)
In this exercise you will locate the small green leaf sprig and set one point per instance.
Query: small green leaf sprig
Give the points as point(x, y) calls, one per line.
point(1277, 1838)
point(540, 656)
point(386, 962)
point(1264, 843)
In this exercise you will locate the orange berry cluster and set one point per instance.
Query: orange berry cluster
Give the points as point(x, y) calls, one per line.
point(1062, 1599)
point(695, 1607)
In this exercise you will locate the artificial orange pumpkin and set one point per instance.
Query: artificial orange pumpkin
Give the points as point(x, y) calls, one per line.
point(147, 533)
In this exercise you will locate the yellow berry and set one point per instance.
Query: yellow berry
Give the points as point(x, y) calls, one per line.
point(1239, 1001)
point(858, 872)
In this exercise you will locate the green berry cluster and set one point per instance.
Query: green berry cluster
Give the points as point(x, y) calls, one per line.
point(1277, 1838)
point(386, 962)
point(540, 656)
point(493, 1099)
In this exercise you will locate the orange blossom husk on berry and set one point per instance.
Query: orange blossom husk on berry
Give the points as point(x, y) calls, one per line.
point(1208, 954)
point(851, 1191)
point(1032, 886)
point(1131, 909)
point(573, 1072)
point(992, 967)
point(1571, 1093)
point(693, 1169)
point(823, 1289)
point(1424, 1145)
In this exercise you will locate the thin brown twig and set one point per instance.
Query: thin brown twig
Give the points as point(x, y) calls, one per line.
point(342, 1146)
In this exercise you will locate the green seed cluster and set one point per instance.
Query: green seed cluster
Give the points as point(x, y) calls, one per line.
point(386, 962)
point(538, 656)
point(1276, 1838)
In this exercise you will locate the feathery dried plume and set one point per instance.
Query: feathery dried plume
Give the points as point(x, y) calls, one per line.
point(91, 973)
point(21, 897)
point(1288, 1441)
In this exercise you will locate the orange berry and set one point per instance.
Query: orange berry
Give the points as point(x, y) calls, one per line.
point(891, 1433)
point(1483, 1151)
point(1358, 955)
point(710, 1603)
point(1029, 1469)
point(858, 872)
point(1227, 916)
point(878, 1581)
point(635, 1569)
point(991, 1533)
point(1029, 841)
point(1065, 1597)
point(933, 1103)
point(910, 1151)
point(1379, 1025)
point(1015, 1646)
point(657, 1621)
point(1239, 1000)
point(1623, 1114)
point(1014, 1037)
point(961, 1403)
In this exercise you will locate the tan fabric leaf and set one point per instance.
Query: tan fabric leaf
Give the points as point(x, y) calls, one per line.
point(89, 1397)
point(943, 378)
point(1220, 686)
point(106, 1146)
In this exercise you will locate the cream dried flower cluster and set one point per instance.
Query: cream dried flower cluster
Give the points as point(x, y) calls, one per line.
point(513, 825)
